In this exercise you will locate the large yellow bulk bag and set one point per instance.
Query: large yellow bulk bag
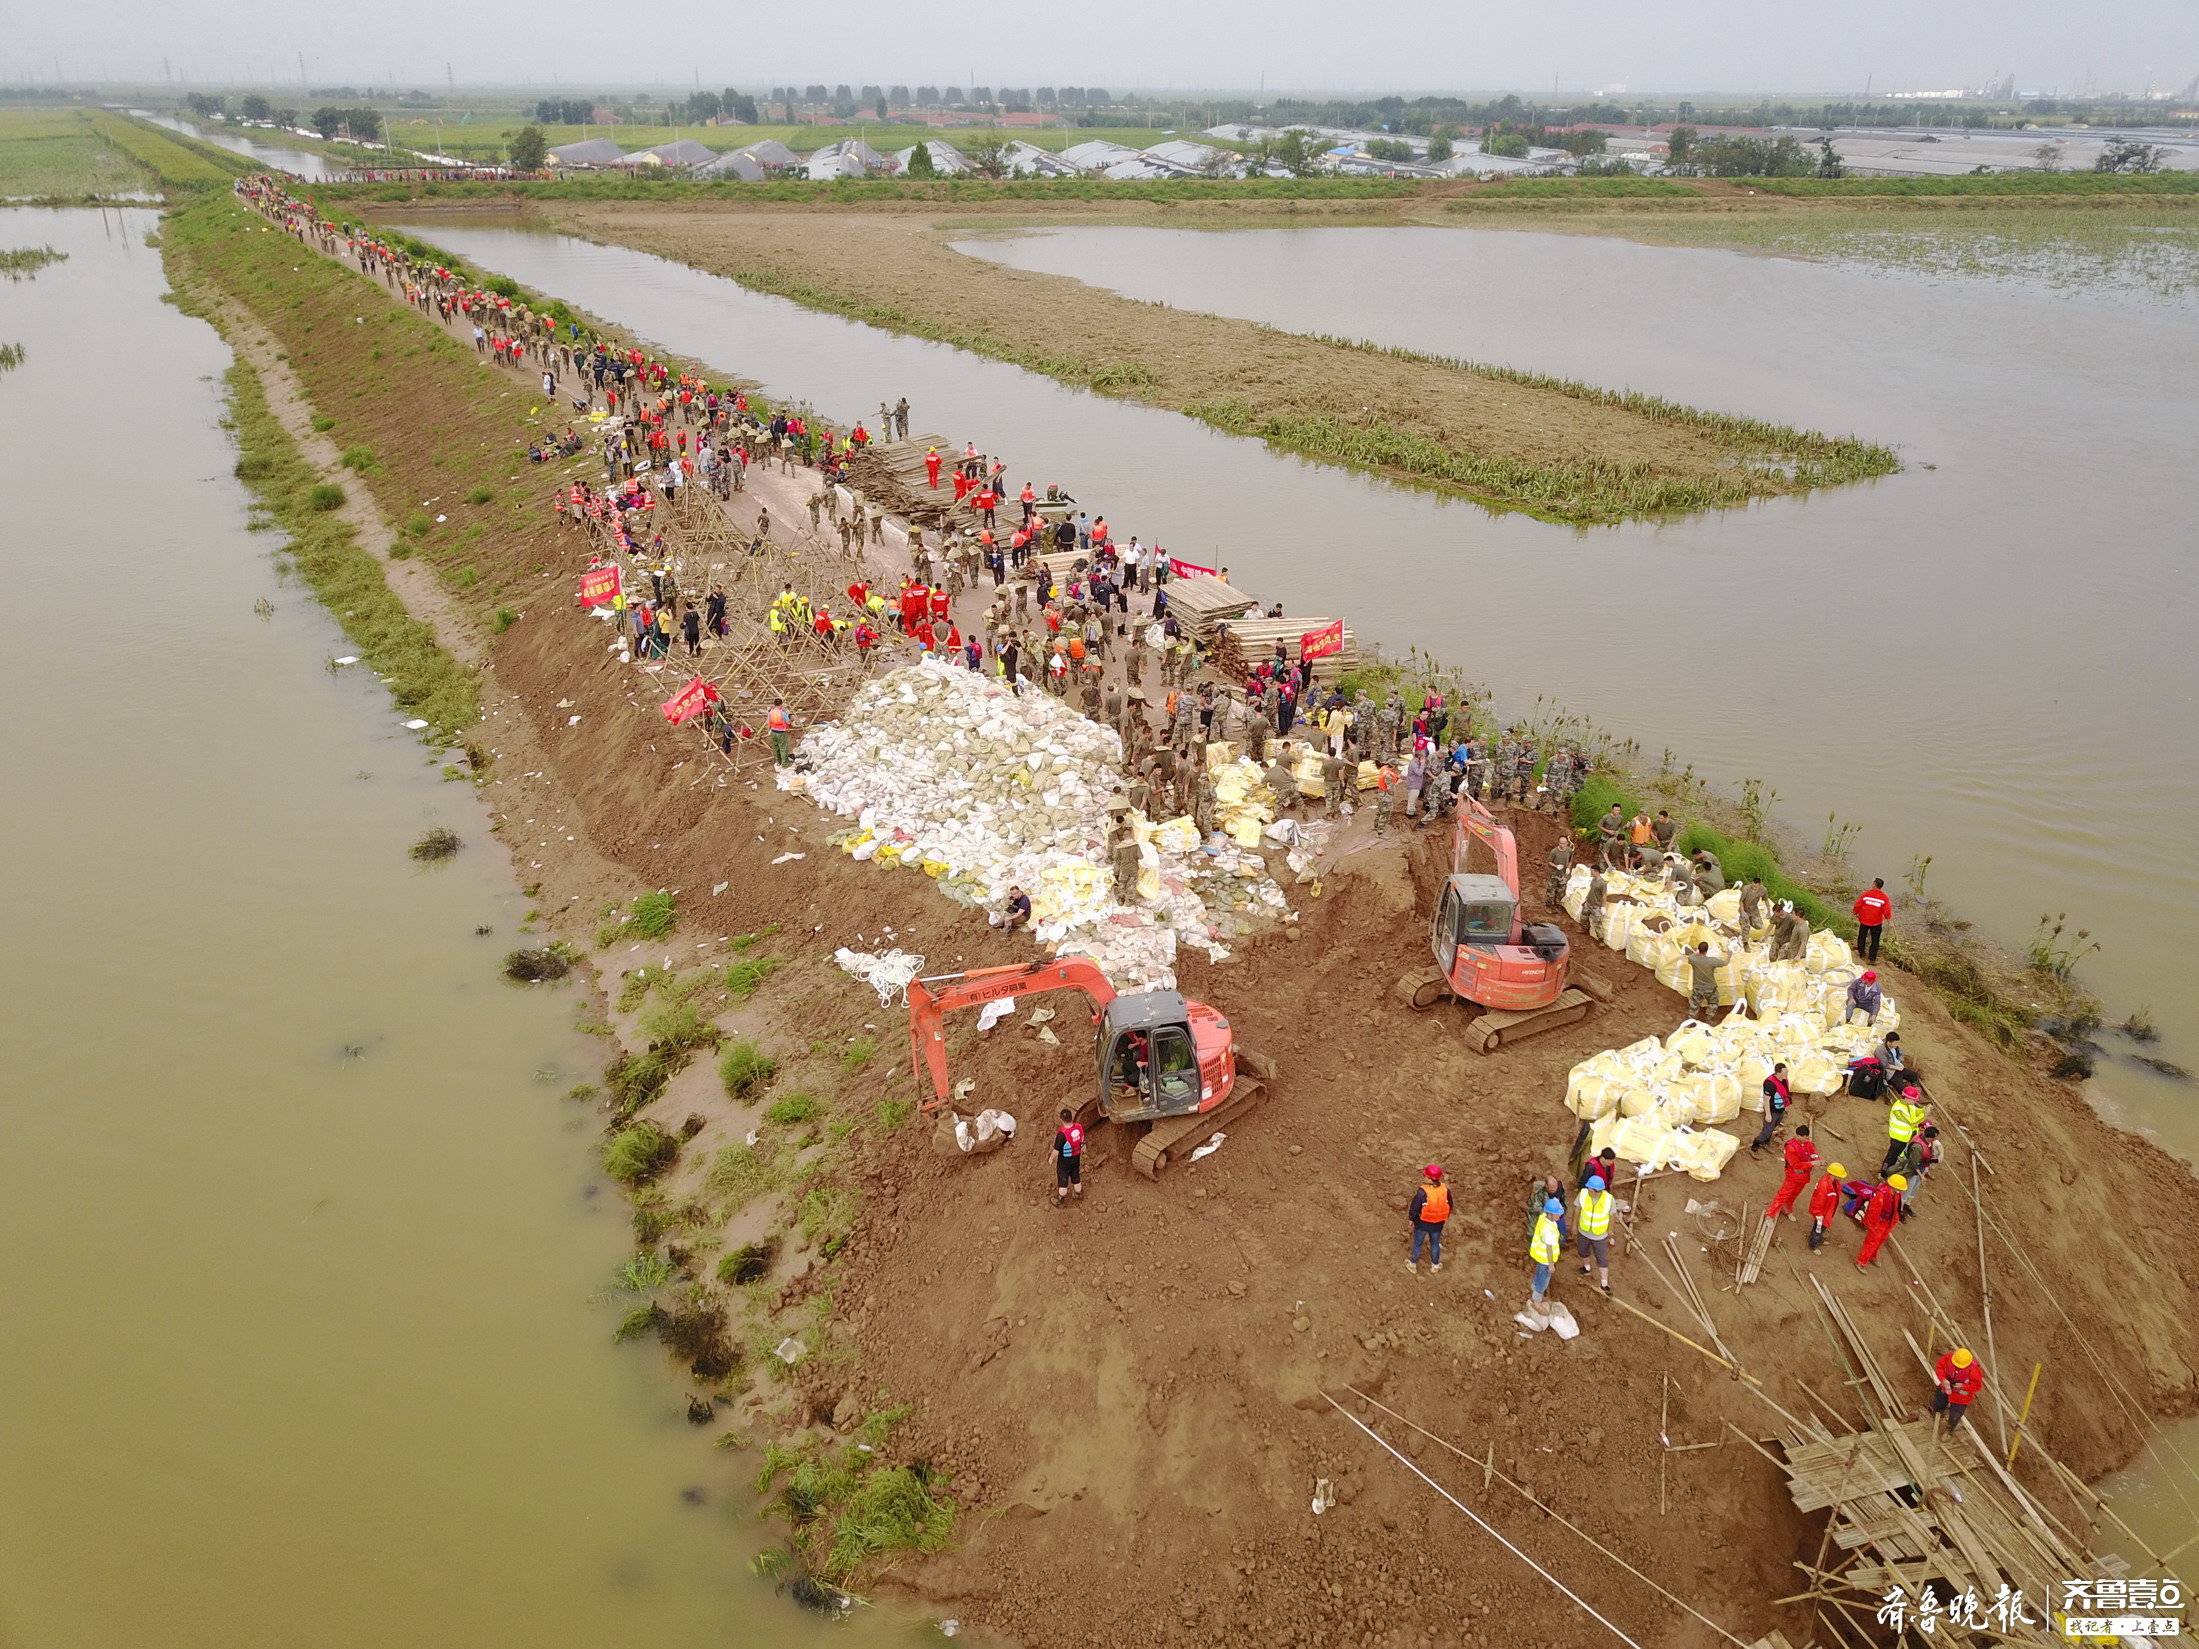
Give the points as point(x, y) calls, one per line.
point(1826, 951)
point(1643, 1055)
point(1673, 975)
point(1641, 1139)
point(1618, 923)
point(1308, 775)
point(1637, 1099)
point(1750, 1072)
point(1694, 1042)
point(1219, 755)
point(1815, 1072)
point(1244, 830)
point(1725, 907)
point(1703, 1152)
point(1717, 1098)
point(1643, 946)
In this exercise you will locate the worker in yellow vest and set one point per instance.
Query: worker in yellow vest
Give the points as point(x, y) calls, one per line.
point(1593, 1230)
point(1544, 1245)
point(1903, 1119)
point(1430, 1207)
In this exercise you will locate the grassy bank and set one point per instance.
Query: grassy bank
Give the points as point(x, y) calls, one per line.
point(873, 191)
point(424, 680)
point(177, 163)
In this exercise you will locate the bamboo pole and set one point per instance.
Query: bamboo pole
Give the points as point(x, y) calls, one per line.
point(2029, 1392)
point(1985, 1298)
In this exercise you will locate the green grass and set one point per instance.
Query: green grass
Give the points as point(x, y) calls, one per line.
point(859, 1052)
point(745, 942)
point(424, 680)
point(892, 1113)
point(439, 843)
point(359, 458)
point(827, 1214)
point(849, 1508)
point(650, 917)
point(644, 1273)
point(22, 263)
point(749, 1263)
point(1992, 183)
point(744, 978)
point(325, 496)
point(794, 1108)
point(633, 1080)
point(178, 162)
point(676, 1027)
point(739, 1174)
point(639, 1152)
point(58, 154)
point(745, 1069)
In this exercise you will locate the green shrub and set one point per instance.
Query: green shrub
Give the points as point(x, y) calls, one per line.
point(326, 496)
point(481, 495)
point(505, 619)
point(653, 914)
point(859, 1052)
point(644, 1273)
point(323, 422)
point(418, 523)
point(675, 1027)
point(439, 843)
point(892, 1510)
point(794, 1108)
point(745, 1068)
point(639, 1152)
point(361, 459)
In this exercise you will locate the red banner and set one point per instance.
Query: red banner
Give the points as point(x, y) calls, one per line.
point(599, 586)
point(1322, 642)
point(1180, 568)
point(689, 702)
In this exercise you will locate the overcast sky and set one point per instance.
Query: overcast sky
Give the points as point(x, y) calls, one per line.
point(1645, 45)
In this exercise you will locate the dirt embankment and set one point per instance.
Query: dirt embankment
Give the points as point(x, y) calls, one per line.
point(1129, 1392)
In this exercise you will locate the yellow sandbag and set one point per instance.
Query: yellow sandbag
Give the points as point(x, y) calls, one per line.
point(1177, 835)
point(1814, 1072)
point(1642, 1055)
point(1717, 1098)
point(1750, 1073)
point(1220, 754)
point(1308, 775)
point(1599, 1073)
point(1825, 951)
point(1703, 1152)
point(934, 868)
point(1674, 976)
point(1367, 776)
point(1641, 1139)
point(1244, 830)
point(1618, 922)
point(1693, 1042)
point(1644, 948)
point(1725, 906)
point(1637, 1099)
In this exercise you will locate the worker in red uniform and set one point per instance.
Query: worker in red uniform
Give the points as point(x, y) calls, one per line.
point(1825, 1203)
point(931, 468)
point(1961, 1377)
point(938, 603)
point(1880, 1218)
point(1872, 907)
point(1068, 1157)
point(1801, 1156)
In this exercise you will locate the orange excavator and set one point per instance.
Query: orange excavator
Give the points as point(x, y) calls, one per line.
point(1514, 971)
point(1164, 1061)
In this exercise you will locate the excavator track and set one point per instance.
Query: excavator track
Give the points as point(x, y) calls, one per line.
point(1166, 1137)
point(1423, 990)
point(1492, 1029)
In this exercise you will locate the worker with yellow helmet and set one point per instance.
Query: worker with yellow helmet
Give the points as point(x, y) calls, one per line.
point(1961, 1377)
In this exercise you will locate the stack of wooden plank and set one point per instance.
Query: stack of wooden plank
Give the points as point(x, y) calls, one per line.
point(1202, 601)
point(1244, 642)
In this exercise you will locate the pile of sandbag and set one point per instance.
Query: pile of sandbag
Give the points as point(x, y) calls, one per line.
point(1643, 918)
point(1657, 1103)
point(947, 772)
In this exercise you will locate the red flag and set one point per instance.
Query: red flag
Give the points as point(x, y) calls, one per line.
point(599, 586)
point(689, 702)
point(1180, 568)
point(1322, 642)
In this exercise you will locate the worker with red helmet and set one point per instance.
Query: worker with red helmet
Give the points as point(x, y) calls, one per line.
point(1880, 1216)
point(1960, 1378)
point(1825, 1203)
point(1430, 1207)
point(1801, 1155)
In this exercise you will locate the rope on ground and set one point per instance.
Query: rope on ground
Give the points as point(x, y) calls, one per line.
point(1552, 1512)
point(1586, 1607)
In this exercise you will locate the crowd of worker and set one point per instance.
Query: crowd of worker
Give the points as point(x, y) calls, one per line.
point(664, 431)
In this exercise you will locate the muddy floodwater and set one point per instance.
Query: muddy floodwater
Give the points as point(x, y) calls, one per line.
point(1985, 658)
point(308, 1311)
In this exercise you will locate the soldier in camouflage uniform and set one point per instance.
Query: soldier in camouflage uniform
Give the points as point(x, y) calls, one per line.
point(1387, 722)
point(1435, 795)
point(1561, 866)
point(1124, 859)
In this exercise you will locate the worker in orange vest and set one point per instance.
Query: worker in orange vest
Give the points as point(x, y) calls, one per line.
point(1880, 1218)
point(1801, 1156)
point(1960, 1379)
point(782, 733)
point(1825, 1203)
point(1431, 1206)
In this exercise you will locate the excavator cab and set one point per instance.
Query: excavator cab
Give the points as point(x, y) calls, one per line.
point(1473, 910)
point(1149, 1057)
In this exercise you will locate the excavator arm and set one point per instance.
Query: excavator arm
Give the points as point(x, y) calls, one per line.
point(931, 999)
point(1477, 822)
